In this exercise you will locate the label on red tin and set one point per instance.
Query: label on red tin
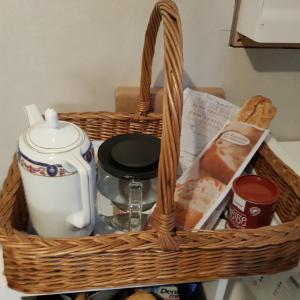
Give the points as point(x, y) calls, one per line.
point(244, 214)
point(239, 202)
point(236, 218)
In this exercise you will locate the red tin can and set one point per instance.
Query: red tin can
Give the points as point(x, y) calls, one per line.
point(254, 202)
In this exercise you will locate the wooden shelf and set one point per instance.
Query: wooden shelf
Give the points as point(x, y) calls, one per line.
point(238, 40)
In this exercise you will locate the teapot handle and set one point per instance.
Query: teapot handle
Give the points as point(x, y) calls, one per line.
point(83, 217)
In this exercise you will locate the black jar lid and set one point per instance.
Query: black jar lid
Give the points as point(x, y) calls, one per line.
point(130, 156)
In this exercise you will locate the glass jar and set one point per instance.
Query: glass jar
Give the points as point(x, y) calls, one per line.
point(127, 170)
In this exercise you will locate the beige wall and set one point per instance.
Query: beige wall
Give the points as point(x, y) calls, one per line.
point(71, 54)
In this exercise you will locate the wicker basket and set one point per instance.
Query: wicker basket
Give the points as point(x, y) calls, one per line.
point(34, 264)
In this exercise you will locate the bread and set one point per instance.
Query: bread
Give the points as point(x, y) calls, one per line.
point(139, 295)
point(220, 164)
point(187, 216)
point(208, 178)
point(227, 153)
point(243, 128)
point(193, 198)
point(224, 158)
point(80, 297)
point(258, 111)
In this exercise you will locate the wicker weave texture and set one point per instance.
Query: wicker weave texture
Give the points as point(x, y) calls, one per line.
point(288, 207)
point(35, 264)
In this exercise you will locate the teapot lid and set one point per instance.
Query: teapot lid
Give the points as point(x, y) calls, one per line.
point(130, 156)
point(54, 135)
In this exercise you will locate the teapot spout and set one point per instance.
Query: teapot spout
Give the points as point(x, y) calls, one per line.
point(33, 114)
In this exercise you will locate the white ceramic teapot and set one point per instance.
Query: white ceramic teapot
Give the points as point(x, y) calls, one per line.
point(56, 162)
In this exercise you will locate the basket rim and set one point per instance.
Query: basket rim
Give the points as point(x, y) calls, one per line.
point(34, 255)
point(245, 238)
point(264, 236)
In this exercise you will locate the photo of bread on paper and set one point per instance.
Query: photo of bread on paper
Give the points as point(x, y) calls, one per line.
point(226, 154)
point(201, 189)
point(193, 198)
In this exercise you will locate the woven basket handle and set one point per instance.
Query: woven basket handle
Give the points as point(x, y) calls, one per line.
point(167, 12)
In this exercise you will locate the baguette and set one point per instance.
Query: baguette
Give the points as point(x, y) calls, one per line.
point(258, 111)
point(81, 297)
point(223, 158)
point(141, 296)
